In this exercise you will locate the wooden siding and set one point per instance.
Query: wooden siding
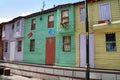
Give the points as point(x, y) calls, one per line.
point(80, 28)
point(65, 58)
point(42, 32)
point(11, 35)
point(115, 10)
point(38, 56)
point(70, 27)
point(103, 59)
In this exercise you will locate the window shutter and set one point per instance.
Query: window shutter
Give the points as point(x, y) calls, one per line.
point(105, 12)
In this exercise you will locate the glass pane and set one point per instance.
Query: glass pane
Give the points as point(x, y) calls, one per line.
point(33, 21)
point(65, 14)
point(66, 47)
point(67, 43)
point(18, 23)
point(82, 14)
point(19, 45)
point(32, 45)
point(51, 18)
point(110, 46)
point(110, 37)
point(6, 46)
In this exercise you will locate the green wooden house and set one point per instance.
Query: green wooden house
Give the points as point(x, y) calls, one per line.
point(49, 37)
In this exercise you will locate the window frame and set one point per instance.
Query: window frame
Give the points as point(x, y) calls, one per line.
point(17, 26)
point(32, 45)
point(67, 43)
point(50, 23)
point(109, 43)
point(64, 18)
point(33, 24)
point(82, 14)
point(19, 45)
point(5, 46)
point(101, 18)
point(13, 26)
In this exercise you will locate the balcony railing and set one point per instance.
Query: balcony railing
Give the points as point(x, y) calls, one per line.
point(106, 23)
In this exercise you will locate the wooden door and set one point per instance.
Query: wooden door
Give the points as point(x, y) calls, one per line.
point(50, 50)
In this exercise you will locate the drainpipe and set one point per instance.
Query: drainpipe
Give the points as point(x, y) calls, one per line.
point(87, 42)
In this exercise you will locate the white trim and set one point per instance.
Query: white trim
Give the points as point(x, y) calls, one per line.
point(102, 24)
point(115, 22)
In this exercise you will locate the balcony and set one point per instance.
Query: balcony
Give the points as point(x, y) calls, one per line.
point(18, 35)
point(65, 27)
point(107, 24)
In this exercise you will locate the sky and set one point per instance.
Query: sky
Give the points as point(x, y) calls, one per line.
point(10, 9)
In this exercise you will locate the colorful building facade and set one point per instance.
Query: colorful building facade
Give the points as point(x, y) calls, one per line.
point(81, 34)
point(65, 49)
point(57, 36)
point(104, 22)
point(51, 41)
point(12, 35)
point(37, 33)
point(106, 27)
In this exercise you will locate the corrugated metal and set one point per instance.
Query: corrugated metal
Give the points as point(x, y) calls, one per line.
point(50, 51)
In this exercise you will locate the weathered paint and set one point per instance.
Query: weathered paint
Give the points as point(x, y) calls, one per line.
point(65, 58)
point(104, 59)
point(80, 29)
point(42, 32)
point(11, 35)
point(39, 34)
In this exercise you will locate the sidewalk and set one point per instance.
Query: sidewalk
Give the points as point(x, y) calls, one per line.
point(16, 77)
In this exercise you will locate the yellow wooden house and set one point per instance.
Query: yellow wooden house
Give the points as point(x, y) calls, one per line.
point(104, 34)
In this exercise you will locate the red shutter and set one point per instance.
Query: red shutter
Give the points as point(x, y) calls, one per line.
point(29, 35)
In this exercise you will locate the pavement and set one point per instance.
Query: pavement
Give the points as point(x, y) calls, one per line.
point(16, 77)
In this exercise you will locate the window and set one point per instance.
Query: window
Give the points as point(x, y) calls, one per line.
point(65, 16)
point(6, 47)
point(18, 23)
point(105, 13)
point(3, 32)
point(32, 44)
point(82, 14)
point(13, 27)
point(110, 42)
point(50, 21)
point(4, 28)
point(17, 26)
point(66, 43)
point(33, 23)
point(19, 46)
